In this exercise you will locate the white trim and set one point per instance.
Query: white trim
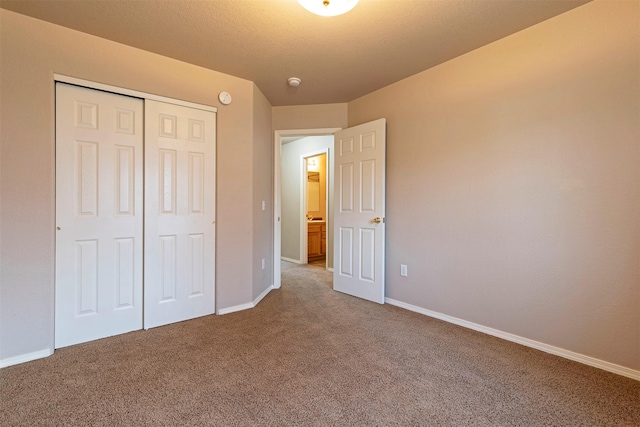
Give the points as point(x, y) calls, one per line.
point(277, 191)
point(296, 261)
point(235, 308)
point(129, 92)
point(262, 295)
point(567, 354)
point(304, 230)
point(277, 209)
point(330, 269)
point(248, 305)
point(10, 361)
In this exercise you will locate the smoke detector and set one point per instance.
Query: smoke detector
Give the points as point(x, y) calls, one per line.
point(294, 81)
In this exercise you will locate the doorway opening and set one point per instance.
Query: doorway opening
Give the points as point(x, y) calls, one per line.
point(314, 197)
point(292, 148)
point(358, 156)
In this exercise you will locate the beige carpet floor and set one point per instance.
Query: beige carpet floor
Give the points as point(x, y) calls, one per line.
point(308, 356)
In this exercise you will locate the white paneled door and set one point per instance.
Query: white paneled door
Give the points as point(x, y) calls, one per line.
point(179, 213)
point(359, 211)
point(115, 229)
point(99, 214)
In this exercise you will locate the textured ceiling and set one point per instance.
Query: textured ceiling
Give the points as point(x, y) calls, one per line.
point(267, 41)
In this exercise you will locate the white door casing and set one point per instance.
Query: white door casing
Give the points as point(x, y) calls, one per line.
point(277, 209)
point(359, 211)
point(277, 193)
point(179, 213)
point(99, 214)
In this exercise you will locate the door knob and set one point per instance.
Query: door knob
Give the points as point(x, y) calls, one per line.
point(378, 220)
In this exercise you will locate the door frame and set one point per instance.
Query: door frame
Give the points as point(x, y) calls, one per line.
point(277, 190)
point(128, 92)
point(304, 224)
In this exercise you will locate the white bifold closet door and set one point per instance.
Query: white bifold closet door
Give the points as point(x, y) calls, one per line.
point(99, 214)
point(114, 230)
point(179, 213)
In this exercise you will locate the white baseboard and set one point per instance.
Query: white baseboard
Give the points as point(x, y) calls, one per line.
point(330, 269)
point(567, 354)
point(295, 261)
point(246, 306)
point(235, 308)
point(25, 357)
point(262, 295)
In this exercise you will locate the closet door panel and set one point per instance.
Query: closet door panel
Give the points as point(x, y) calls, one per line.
point(99, 214)
point(179, 213)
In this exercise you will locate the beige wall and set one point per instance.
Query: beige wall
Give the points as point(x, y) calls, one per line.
point(310, 116)
point(31, 52)
point(262, 191)
point(513, 183)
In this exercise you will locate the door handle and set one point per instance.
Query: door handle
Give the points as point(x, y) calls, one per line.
point(378, 220)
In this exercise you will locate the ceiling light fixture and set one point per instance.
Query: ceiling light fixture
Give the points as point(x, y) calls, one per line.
point(328, 7)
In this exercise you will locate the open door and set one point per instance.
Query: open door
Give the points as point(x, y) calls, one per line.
point(359, 211)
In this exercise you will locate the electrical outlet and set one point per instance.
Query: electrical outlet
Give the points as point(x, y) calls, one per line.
point(264, 263)
point(264, 206)
point(403, 270)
